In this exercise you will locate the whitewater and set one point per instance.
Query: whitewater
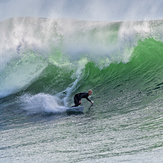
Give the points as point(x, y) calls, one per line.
point(44, 62)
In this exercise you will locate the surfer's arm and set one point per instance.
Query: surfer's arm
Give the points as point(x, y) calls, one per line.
point(89, 100)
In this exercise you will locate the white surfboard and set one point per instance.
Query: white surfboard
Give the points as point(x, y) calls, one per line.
point(76, 109)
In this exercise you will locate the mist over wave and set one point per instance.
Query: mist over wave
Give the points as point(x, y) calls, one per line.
point(95, 10)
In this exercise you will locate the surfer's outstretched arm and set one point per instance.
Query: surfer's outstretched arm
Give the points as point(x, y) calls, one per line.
point(89, 100)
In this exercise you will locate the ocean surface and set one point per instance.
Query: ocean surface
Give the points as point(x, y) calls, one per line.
point(45, 62)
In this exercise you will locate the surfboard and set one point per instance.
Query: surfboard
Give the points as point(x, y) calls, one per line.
point(76, 109)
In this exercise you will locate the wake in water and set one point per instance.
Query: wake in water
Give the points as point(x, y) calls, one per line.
point(41, 103)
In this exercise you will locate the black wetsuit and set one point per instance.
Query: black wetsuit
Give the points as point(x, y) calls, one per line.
point(79, 96)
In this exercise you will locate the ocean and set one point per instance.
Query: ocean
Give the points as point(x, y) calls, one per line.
point(44, 62)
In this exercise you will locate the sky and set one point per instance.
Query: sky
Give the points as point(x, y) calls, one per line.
point(95, 10)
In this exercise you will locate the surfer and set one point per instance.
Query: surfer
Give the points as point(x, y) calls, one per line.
point(79, 96)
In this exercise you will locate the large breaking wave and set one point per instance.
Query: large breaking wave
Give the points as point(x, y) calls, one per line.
point(58, 57)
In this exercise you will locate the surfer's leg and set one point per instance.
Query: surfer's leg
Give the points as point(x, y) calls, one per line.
point(77, 104)
point(76, 101)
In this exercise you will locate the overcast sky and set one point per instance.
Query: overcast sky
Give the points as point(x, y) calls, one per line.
point(97, 10)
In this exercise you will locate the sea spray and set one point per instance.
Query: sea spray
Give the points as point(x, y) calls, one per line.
point(41, 103)
point(75, 85)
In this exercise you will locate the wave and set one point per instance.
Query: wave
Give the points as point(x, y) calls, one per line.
point(46, 57)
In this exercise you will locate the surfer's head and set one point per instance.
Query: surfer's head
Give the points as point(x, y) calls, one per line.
point(90, 92)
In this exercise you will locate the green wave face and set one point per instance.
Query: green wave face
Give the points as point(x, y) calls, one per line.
point(135, 83)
